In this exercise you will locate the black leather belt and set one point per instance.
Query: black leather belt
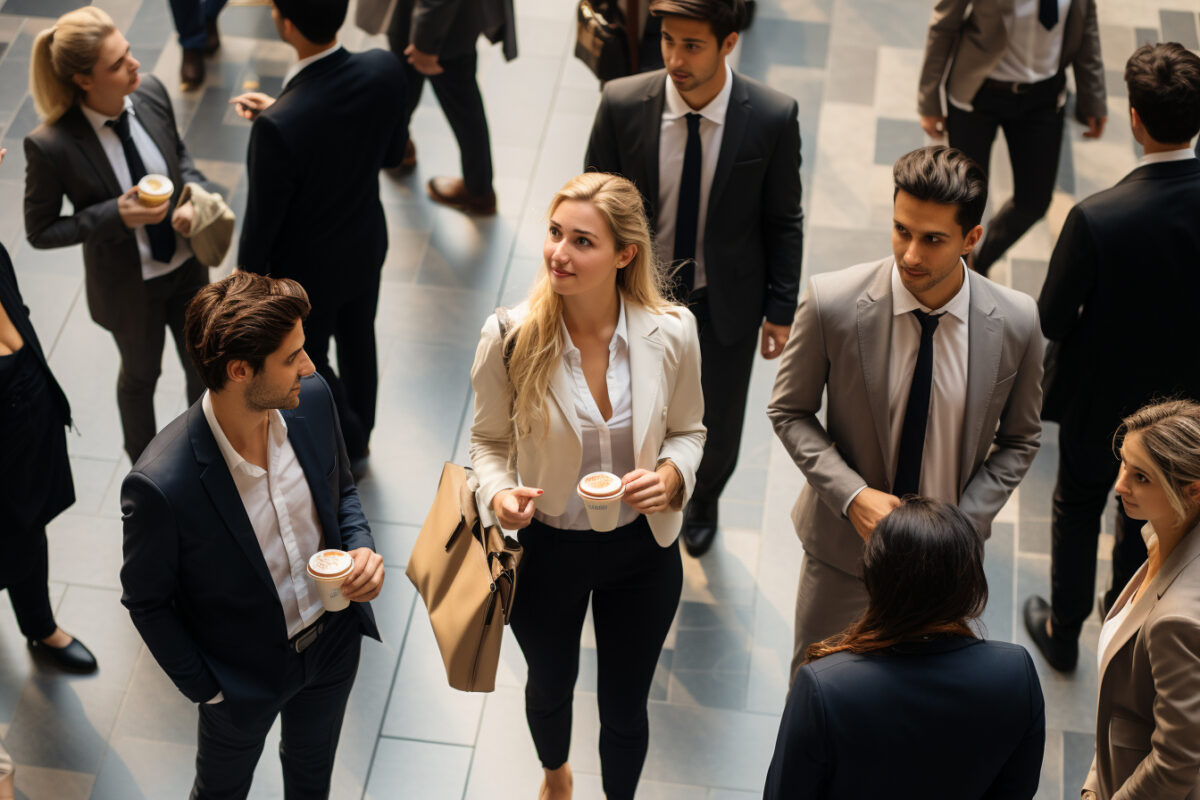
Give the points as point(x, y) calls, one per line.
point(1015, 87)
point(301, 641)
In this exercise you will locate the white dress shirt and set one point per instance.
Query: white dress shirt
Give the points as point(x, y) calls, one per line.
point(1109, 629)
point(154, 162)
point(607, 444)
point(1033, 53)
point(672, 142)
point(281, 510)
point(304, 62)
point(1182, 154)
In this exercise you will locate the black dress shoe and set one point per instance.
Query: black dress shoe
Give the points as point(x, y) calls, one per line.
point(1059, 653)
point(699, 527)
point(191, 69)
point(75, 657)
point(212, 37)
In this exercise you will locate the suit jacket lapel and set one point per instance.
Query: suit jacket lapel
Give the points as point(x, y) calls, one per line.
point(874, 345)
point(737, 116)
point(306, 453)
point(564, 395)
point(985, 345)
point(645, 366)
point(651, 130)
point(77, 124)
point(218, 482)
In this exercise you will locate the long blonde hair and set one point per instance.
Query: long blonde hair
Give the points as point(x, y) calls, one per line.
point(1170, 433)
point(536, 343)
point(70, 48)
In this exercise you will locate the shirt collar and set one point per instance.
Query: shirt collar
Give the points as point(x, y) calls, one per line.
point(98, 120)
point(621, 333)
point(903, 300)
point(233, 459)
point(675, 106)
point(304, 62)
point(1182, 154)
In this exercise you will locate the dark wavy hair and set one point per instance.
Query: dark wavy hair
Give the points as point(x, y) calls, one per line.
point(723, 16)
point(1164, 88)
point(944, 175)
point(923, 567)
point(317, 20)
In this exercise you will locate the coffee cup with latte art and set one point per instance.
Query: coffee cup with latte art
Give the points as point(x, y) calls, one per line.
point(328, 570)
point(154, 190)
point(601, 493)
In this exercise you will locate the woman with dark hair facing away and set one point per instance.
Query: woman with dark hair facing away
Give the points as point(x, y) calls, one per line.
point(908, 701)
point(1148, 715)
point(594, 385)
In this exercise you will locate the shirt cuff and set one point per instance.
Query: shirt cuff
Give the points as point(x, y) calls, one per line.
point(219, 698)
point(846, 508)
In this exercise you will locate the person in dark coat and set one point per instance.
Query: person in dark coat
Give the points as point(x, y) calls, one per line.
point(908, 701)
point(35, 475)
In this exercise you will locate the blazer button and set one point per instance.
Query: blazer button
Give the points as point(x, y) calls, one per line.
point(664, 414)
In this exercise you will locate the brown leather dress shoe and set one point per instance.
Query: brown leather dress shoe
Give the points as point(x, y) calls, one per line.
point(191, 69)
point(212, 37)
point(409, 162)
point(453, 192)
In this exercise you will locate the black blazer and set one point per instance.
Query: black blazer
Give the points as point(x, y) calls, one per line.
point(955, 717)
point(1120, 297)
point(15, 469)
point(195, 580)
point(64, 158)
point(313, 213)
point(753, 233)
point(450, 28)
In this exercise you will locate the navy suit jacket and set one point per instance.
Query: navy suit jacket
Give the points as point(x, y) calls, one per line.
point(953, 717)
point(195, 580)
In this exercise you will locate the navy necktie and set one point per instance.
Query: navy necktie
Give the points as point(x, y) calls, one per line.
point(916, 413)
point(1048, 13)
point(687, 213)
point(162, 236)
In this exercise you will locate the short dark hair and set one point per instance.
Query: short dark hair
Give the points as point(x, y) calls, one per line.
point(945, 175)
point(1163, 81)
point(317, 20)
point(723, 16)
point(244, 317)
point(923, 569)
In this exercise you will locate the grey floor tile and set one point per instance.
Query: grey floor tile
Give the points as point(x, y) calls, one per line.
point(1000, 568)
point(34, 783)
point(85, 550)
point(404, 768)
point(38, 8)
point(730, 794)
point(1050, 787)
point(1078, 750)
point(709, 747)
point(852, 74)
point(154, 708)
point(145, 768)
point(894, 138)
point(1146, 36)
point(62, 724)
point(725, 574)
point(783, 43)
point(1028, 275)
point(709, 688)
point(1179, 26)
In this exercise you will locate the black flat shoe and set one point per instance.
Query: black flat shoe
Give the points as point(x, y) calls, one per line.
point(699, 528)
point(212, 37)
point(75, 657)
point(1059, 653)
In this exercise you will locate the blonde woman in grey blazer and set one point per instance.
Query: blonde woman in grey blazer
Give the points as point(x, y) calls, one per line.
point(1148, 715)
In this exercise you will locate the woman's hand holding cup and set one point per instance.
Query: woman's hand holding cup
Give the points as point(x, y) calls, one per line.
point(514, 507)
point(134, 213)
point(648, 492)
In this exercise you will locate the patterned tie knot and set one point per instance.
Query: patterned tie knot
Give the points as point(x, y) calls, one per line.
point(929, 322)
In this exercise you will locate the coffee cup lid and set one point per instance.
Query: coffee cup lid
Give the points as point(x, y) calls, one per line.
point(330, 562)
point(600, 484)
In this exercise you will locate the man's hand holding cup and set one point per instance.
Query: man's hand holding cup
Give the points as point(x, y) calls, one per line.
point(365, 580)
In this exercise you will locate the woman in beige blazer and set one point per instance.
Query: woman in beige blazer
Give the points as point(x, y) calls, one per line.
point(595, 372)
point(1148, 720)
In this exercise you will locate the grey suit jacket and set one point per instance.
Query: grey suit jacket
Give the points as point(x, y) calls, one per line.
point(840, 342)
point(973, 44)
point(446, 27)
point(1148, 715)
point(64, 158)
point(753, 234)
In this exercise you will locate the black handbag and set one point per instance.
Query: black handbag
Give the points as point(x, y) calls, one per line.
point(601, 40)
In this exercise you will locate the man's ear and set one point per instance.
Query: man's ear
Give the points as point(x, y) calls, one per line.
point(238, 371)
point(972, 238)
point(727, 45)
point(1192, 492)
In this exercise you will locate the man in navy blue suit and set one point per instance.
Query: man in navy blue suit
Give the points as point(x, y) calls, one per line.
point(222, 512)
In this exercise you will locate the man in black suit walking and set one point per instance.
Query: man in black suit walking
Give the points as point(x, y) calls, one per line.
point(313, 212)
point(1119, 299)
point(717, 158)
point(222, 512)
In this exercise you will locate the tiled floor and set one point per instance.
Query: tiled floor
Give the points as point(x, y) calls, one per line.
point(126, 734)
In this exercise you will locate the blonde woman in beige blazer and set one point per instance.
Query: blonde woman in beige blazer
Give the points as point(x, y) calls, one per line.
point(596, 372)
point(1148, 720)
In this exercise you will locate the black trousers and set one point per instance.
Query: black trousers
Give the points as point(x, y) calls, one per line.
point(458, 94)
point(1033, 128)
point(27, 588)
point(355, 385)
point(1087, 470)
point(167, 297)
point(725, 382)
point(317, 685)
point(634, 586)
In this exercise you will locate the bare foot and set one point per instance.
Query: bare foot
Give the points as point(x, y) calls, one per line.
point(59, 638)
point(557, 784)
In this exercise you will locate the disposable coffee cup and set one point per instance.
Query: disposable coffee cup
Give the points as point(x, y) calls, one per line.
point(601, 493)
point(328, 570)
point(154, 190)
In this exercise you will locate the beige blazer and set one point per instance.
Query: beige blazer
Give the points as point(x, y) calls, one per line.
point(973, 44)
point(1148, 714)
point(840, 343)
point(668, 413)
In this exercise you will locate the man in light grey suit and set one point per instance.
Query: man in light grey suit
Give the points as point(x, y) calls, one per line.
point(934, 381)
